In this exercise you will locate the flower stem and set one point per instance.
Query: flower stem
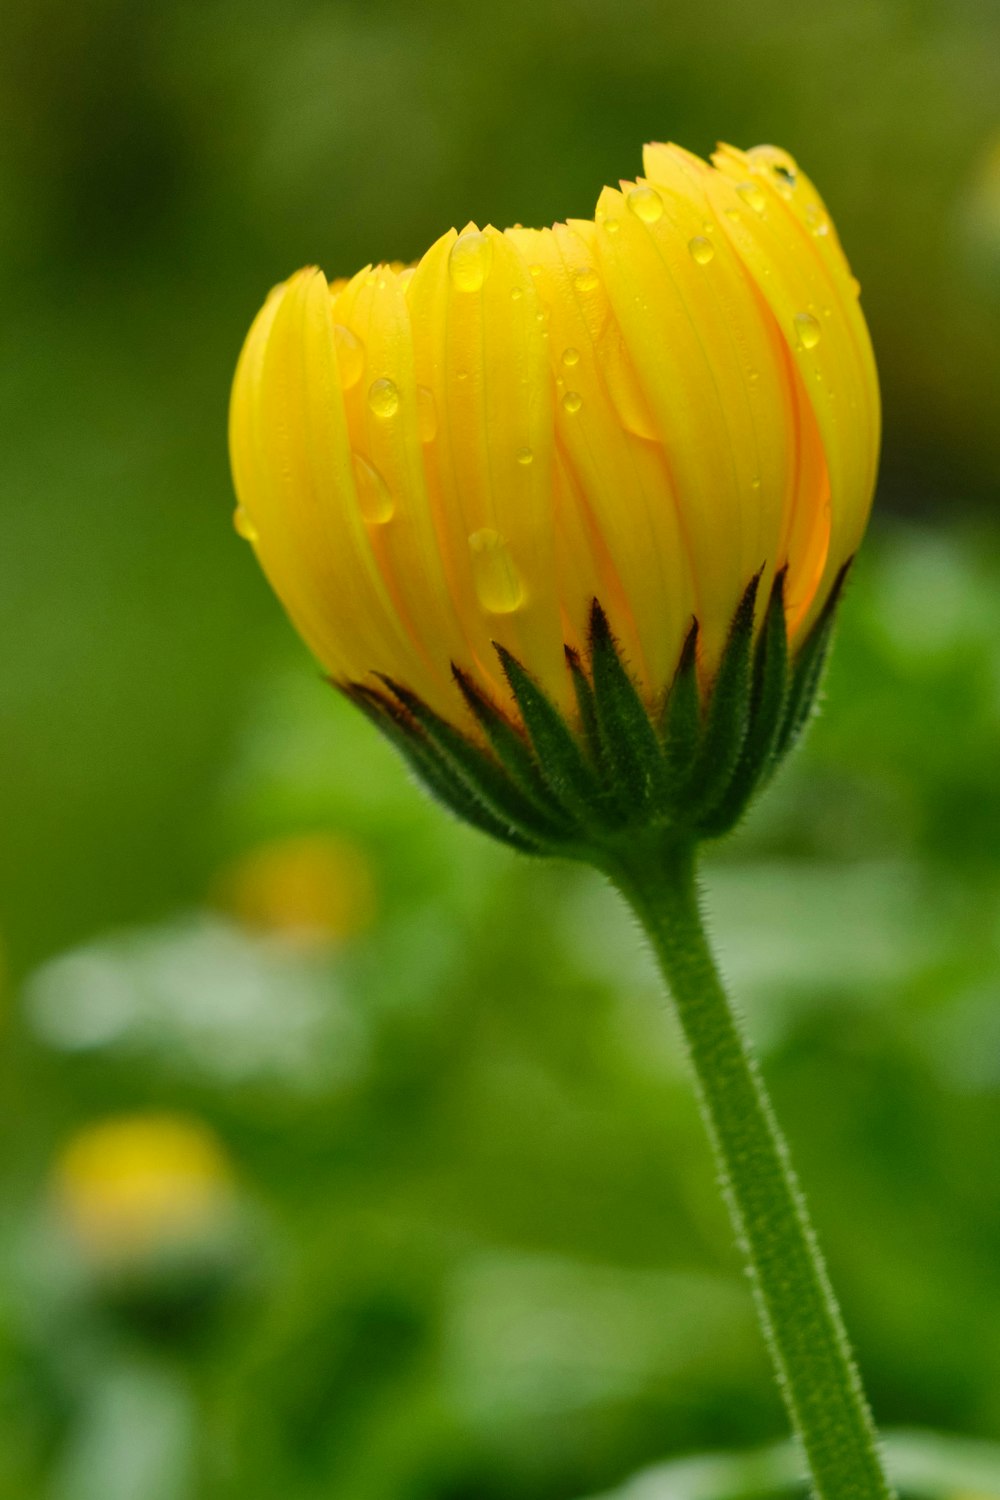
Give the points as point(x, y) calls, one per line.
point(802, 1324)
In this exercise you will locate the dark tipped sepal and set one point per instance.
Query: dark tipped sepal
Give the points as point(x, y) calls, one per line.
point(582, 785)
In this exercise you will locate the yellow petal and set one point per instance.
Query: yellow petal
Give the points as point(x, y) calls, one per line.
point(295, 480)
point(808, 287)
point(712, 375)
point(627, 548)
point(480, 352)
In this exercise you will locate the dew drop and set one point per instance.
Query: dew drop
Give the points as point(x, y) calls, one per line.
point(535, 270)
point(645, 203)
point(755, 482)
point(572, 401)
point(426, 414)
point(815, 219)
point(734, 214)
point(571, 357)
point(525, 457)
point(702, 250)
point(350, 355)
point(753, 196)
point(374, 498)
point(406, 275)
point(612, 226)
point(783, 168)
point(808, 330)
point(470, 260)
point(383, 398)
point(243, 526)
point(586, 280)
point(516, 294)
point(497, 582)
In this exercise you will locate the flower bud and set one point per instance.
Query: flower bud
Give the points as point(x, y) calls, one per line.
point(634, 438)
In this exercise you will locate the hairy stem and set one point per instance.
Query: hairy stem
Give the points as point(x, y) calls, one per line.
point(802, 1323)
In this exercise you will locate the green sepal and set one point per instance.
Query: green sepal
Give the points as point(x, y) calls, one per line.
point(728, 716)
point(586, 707)
point(768, 699)
point(511, 749)
point(807, 672)
point(586, 784)
point(483, 776)
point(560, 759)
point(632, 750)
point(428, 766)
point(681, 720)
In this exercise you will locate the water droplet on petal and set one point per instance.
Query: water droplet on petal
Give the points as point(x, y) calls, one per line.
point(383, 398)
point(525, 456)
point(516, 294)
point(536, 270)
point(755, 482)
point(497, 582)
point(808, 330)
point(470, 260)
point(243, 526)
point(374, 499)
point(645, 203)
point(612, 226)
point(406, 275)
point(816, 221)
point(586, 280)
point(702, 250)
point(350, 355)
point(753, 195)
point(426, 414)
point(783, 168)
point(572, 401)
point(571, 357)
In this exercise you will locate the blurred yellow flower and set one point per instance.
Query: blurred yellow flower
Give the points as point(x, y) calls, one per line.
point(646, 407)
point(310, 890)
point(139, 1186)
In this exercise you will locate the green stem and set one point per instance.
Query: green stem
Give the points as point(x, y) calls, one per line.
point(802, 1324)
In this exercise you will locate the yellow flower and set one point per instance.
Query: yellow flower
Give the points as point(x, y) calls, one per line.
point(140, 1186)
point(646, 408)
point(313, 891)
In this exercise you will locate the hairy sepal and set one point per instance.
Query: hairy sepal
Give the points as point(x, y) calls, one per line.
point(584, 785)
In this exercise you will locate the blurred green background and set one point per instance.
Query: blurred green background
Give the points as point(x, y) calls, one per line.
point(454, 1233)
